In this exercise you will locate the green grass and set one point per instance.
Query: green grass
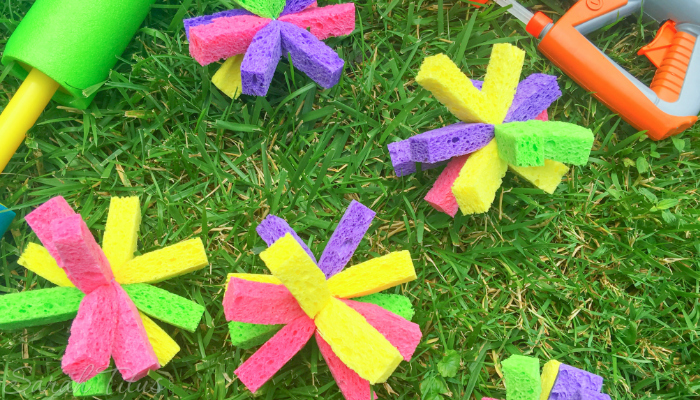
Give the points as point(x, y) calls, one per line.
point(603, 275)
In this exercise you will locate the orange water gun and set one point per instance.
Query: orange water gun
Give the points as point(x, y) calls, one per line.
point(672, 103)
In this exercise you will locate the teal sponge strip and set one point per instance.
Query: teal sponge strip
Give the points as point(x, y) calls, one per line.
point(245, 335)
point(396, 303)
point(528, 144)
point(39, 307)
point(96, 386)
point(522, 376)
point(165, 306)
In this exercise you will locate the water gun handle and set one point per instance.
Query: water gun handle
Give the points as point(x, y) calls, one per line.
point(23, 111)
point(673, 67)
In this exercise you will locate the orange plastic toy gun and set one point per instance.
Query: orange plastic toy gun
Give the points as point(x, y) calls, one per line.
point(672, 103)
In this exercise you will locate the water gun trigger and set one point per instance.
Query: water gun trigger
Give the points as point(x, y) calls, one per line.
point(657, 49)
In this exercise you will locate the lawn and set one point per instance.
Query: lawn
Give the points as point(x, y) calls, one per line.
point(603, 275)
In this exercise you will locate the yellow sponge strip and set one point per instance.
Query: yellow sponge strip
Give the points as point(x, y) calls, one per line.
point(165, 263)
point(121, 232)
point(163, 345)
point(549, 376)
point(228, 77)
point(288, 262)
point(253, 277)
point(546, 177)
point(373, 276)
point(502, 78)
point(357, 343)
point(481, 176)
point(38, 260)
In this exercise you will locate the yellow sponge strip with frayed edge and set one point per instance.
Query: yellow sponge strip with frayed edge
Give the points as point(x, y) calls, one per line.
point(289, 263)
point(228, 77)
point(357, 343)
point(38, 260)
point(502, 78)
point(122, 230)
point(165, 263)
point(546, 177)
point(373, 276)
point(481, 176)
point(163, 345)
point(549, 376)
point(253, 277)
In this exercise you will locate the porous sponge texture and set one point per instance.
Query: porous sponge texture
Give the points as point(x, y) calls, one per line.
point(260, 303)
point(546, 177)
point(502, 79)
point(38, 260)
point(481, 176)
point(228, 77)
point(311, 56)
point(165, 263)
point(440, 195)
point(522, 376)
point(253, 277)
point(346, 331)
point(246, 336)
point(261, 59)
point(450, 141)
point(41, 218)
point(571, 380)
point(39, 307)
point(325, 22)
point(351, 385)
point(163, 345)
point(122, 229)
point(272, 228)
point(97, 386)
point(224, 37)
point(520, 144)
point(263, 8)
point(530, 143)
point(165, 306)
point(396, 303)
point(548, 377)
point(373, 276)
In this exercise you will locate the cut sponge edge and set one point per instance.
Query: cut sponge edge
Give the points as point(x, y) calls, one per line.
point(373, 276)
point(260, 303)
point(228, 77)
point(38, 260)
point(164, 347)
point(547, 177)
point(481, 176)
point(165, 306)
point(325, 22)
point(121, 232)
point(159, 265)
point(440, 196)
point(548, 377)
point(224, 37)
point(311, 56)
point(522, 378)
point(351, 385)
point(570, 380)
point(100, 385)
point(39, 307)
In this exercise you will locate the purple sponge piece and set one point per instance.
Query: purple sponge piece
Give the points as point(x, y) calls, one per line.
point(451, 141)
point(273, 228)
point(311, 56)
point(478, 84)
point(294, 6)
point(345, 239)
point(207, 19)
point(261, 59)
point(584, 394)
point(534, 95)
point(571, 379)
point(400, 153)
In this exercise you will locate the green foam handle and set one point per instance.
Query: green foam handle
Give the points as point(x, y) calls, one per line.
point(165, 306)
point(39, 307)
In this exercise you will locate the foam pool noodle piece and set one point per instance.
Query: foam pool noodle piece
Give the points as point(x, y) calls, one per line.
point(311, 56)
point(38, 260)
point(208, 19)
point(39, 307)
point(228, 77)
point(83, 259)
point(6, 217)
point(261, 60)
point(272, 356)
point(401, 333)
point(534, 94)
point(91, 335)
point(247, 336)
point(295, 6)
point(546, 177)
point(263, 8)
point(325, 22)
point(450, 141)
point(548, 377)
point(374, 275)
point(481, 176)
point(351, 385)
point(99, 385)
point(345, 239)
point(292, 266)
point(260, 303)
point(165, 306)
point(400, 153)
point(159, 265)
point(273, 228)
point(396, 303)
point(73, 43)
point(357, 343)
point(40, 221)
point(164, 347)
point(122, 230)
point(522, 378)
point(571, 379)
point(583, 394)
point(224, 37)
point(132, 352)
point(440, 196)
point(544, 116)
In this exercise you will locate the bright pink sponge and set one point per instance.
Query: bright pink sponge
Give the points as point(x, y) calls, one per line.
point(260, 303)
point(224, 38)
point(325, 22)
point(440, 196)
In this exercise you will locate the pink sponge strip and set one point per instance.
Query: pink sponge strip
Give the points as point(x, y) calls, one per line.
point(260, 303)
point(132, 352)
point(40, 222)
point(272, 356)
point(83, 259)
point(440, 196)
point(325, 22)
point(544, 116)
point(224, 37)
point(402, 334)
point(351, 385)
point(91, 335)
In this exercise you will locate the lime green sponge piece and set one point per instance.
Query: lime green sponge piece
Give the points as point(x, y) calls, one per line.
point(245, 335)
point(165, 306)
point(522, 376)
point(529, 144)
point(39, 307)
point(263, 8)
point(97, 386)
point(396, 303)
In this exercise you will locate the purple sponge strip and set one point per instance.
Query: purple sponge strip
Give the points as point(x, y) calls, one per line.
point(451, 141)
point(571, 379)
point(400, 153)
point(345, 239)
point(534, 95)
point(207, 19)
point(584, 394)
point(273, 228)
point(261, 59)
point(311, 56)
point(294, 6)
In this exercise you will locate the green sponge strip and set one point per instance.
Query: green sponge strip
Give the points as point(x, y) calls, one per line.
point(246, 335)
point(263, 8)
point(522, 376)
point(165, 306)
point(75, 42)
point(97, 386)
point(396, 303)
point(39, 307)
point(528, 144)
